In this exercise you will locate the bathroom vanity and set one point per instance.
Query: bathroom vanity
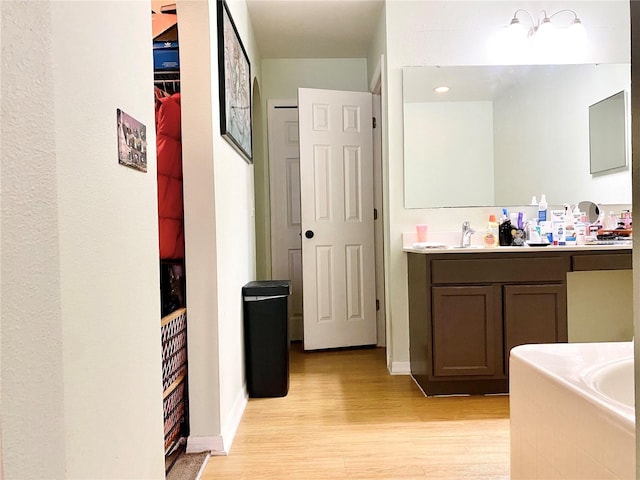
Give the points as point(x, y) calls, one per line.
point(469, 307)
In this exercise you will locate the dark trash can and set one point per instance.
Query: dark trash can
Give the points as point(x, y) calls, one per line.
point(266, 337)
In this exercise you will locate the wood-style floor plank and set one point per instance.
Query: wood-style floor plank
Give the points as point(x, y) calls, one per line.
point(345, 417)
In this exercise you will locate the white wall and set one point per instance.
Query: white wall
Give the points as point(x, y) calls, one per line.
point(281, 78)
point(219, 231)
point(81, 352)
point(32, 370)
point(235, 248)
point(459, 33)
point(196, 54)
point(236, 244)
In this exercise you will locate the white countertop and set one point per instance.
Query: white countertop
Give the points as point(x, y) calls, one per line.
point(524, 249)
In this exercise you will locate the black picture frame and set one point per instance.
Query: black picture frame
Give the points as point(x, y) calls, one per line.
point(234, 74)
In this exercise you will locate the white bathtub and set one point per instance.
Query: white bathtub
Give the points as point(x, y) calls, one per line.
point(572, 411)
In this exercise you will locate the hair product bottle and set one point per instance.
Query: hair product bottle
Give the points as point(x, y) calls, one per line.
point(505, 231)
point(542, 209)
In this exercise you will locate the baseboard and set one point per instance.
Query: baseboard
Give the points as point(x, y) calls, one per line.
point(230, 427)
point(213, 444)
point(220, 445)
point(400, 368)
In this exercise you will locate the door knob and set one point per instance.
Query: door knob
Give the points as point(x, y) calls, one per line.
point(308, 234)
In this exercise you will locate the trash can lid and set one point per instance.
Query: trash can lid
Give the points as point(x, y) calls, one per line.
point(267, 287)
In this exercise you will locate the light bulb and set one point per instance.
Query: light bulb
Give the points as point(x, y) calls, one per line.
point(544, 37)
point(545, 29)
point(577, 34)
point(517, 31)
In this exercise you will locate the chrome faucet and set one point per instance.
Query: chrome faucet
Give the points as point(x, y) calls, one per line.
point(467, 231)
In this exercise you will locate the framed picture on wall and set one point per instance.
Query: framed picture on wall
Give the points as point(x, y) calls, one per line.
point(132, 142)
point(235, 85)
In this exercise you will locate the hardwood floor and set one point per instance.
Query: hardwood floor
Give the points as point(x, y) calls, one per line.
point(345, 417)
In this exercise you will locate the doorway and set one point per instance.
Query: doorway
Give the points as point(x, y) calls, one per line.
point(285, 198)
point(173, 323)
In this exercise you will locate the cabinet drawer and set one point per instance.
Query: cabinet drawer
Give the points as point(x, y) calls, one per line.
point(500, 270)
point(613, 261)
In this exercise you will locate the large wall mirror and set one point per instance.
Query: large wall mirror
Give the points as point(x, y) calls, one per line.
point(505, 133)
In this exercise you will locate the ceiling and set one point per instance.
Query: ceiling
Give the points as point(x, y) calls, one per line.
point(313, 28)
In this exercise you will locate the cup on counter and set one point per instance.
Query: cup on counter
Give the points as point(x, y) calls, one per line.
point(421, 229)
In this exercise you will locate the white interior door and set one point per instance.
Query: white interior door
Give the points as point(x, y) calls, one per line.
point(284, 174)
point(336, 177)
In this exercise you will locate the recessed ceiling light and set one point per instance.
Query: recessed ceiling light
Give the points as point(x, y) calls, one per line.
point(442, 89)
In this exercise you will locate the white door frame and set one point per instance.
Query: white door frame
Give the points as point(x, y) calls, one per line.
point(375, 87)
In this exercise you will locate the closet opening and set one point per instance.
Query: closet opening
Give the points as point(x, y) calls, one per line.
point(173, 323)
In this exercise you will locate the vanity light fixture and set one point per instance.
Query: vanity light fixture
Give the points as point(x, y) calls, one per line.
point(543, 31)
point(443, 89)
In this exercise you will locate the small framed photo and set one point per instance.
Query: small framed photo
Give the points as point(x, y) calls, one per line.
point(132, 142)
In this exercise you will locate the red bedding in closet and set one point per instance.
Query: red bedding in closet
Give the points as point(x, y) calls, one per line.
point(169, 152)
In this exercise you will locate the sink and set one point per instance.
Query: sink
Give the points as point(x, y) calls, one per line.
point(470, 247)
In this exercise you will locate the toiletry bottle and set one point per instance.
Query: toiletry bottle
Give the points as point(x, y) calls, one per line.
point(568, 215)
point(505, 234)
point(569, 227)
point(559, 233)
point(490, 238)
point(533, 231)
point(546, 231)
point(542, 209)
point(600, 222)
point(577, 214)
point(581, 233)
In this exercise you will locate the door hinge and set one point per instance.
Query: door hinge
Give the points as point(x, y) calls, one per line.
point(375, 213)
point(375, 123)
point(377, 304)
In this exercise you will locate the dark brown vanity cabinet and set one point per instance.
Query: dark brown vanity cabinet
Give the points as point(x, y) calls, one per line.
point(468, 310)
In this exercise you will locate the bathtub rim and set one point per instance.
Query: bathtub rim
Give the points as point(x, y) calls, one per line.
point(556, 361)
point(591, 375)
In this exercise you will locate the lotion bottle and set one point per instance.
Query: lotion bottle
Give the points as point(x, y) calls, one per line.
point(490, 238)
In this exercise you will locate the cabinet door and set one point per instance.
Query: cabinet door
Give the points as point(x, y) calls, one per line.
point(534, 314)
point(467, 333)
